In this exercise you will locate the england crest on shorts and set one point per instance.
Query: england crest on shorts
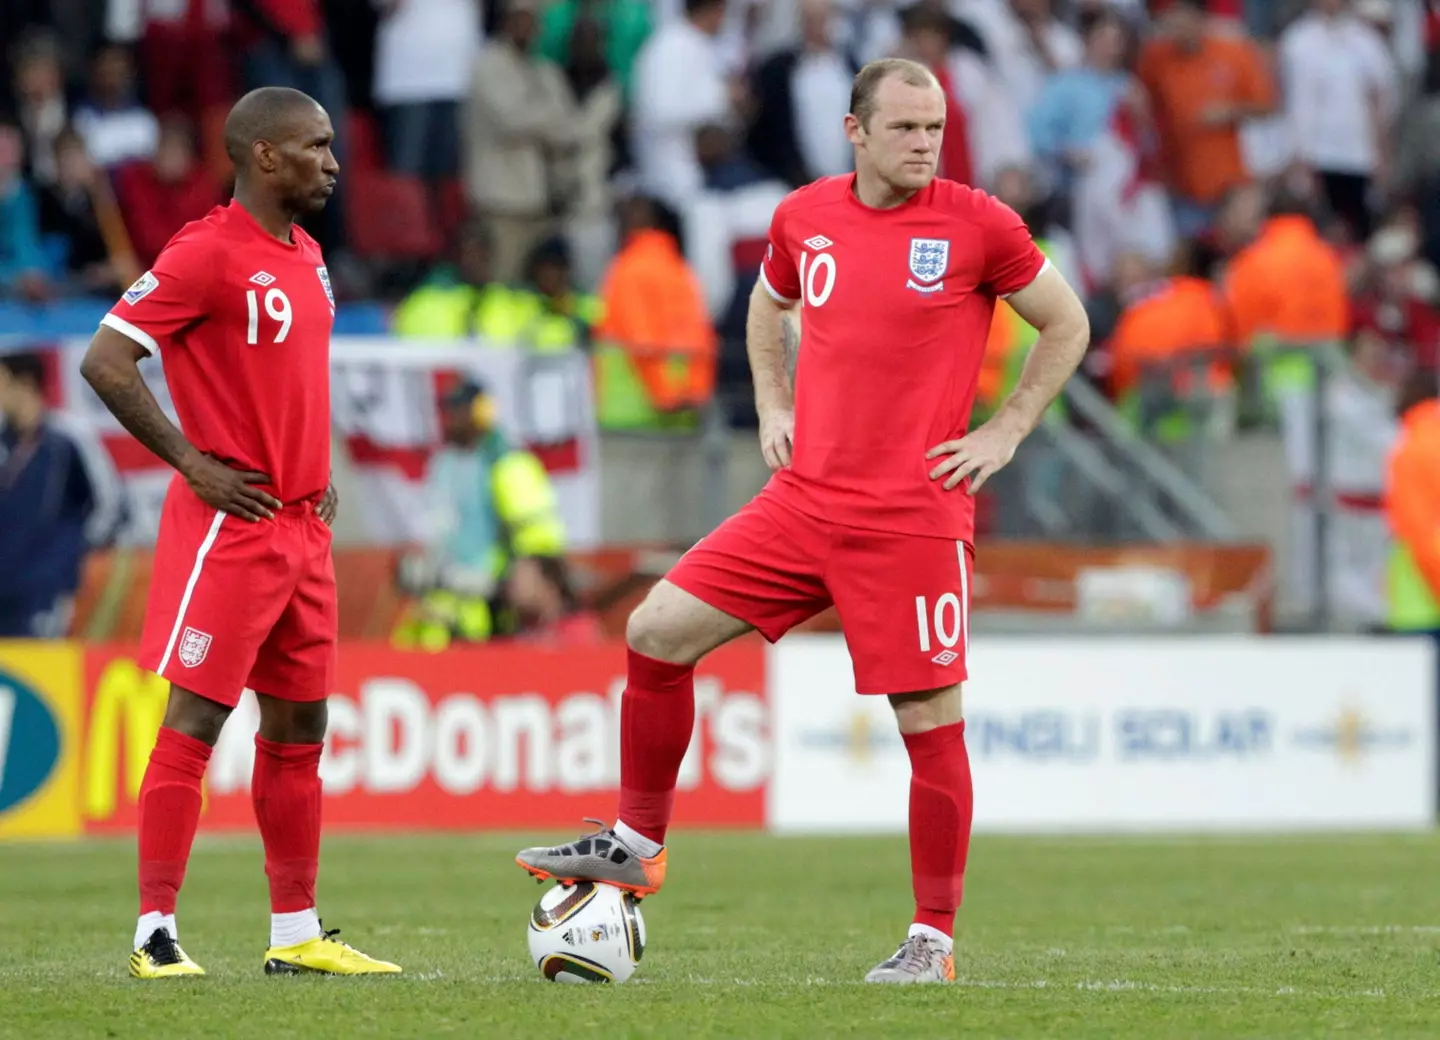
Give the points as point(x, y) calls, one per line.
point(194, 645)
point(929, 258)
point(324, 274)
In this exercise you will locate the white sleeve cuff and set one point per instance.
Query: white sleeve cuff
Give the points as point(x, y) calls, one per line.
point(777, 297)
point(140, 336)
point(1043, 268)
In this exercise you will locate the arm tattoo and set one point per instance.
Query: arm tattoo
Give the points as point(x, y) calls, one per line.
point(131, 402)
point(789, 344)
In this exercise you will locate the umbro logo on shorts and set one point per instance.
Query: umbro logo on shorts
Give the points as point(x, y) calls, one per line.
point(943, 658)
point(818, 242)
point(194, 645)
point(262, 278)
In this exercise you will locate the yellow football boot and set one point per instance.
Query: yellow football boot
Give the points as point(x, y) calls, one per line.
point(324, 955)
point(162, 958)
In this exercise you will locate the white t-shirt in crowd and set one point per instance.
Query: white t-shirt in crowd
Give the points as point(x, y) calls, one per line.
point(1330, 69)
point(424, 51)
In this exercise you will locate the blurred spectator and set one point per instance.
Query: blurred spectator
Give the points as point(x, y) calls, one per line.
point(16, 17)
point(59, 497)
point(22, 260)
point(803, 94)
point(1162, 350)
point(680, 86)
point(1397, 307)
point(162, 196)
point(40, 100)
point(490, 505)
point(726, 234)
point(1289, 284)
point(68, 219)
point(185, 64)
point(1341, 98)
point(1026, 44)
point(1120, 205)
point(1360, 430)
point(546, 609)
point(424, 54)
point(1412, 502)
point(547, 314)
point(655, 355)
point(1238, 219)
point(624, 27)
point(1204, 84)
point(459, 300)
point(599, 102)
point(1076, 105)
point(520, 121)
point(1288, 300)
point(115, 126)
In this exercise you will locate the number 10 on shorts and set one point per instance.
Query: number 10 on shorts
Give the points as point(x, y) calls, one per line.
point(947, 621)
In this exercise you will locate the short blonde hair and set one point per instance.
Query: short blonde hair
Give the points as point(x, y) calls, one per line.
point(868, 80)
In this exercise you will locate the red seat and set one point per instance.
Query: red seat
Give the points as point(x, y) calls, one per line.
point(362, 143)
point(454, 207)
point(388, 216)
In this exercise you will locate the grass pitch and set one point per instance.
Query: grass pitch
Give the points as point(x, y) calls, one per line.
point(760, 937)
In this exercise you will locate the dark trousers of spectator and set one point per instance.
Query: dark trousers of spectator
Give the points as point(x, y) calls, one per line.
point(37, 620)
point(1349, 197)
point(423, 139)
point(269, 64)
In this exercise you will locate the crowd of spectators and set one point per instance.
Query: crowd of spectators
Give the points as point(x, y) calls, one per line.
point(1149, 146)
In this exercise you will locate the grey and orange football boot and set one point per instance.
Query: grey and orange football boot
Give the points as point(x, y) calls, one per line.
point(920, 958)
point(598, 856)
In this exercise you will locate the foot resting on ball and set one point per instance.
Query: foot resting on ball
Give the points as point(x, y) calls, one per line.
point(598, 856)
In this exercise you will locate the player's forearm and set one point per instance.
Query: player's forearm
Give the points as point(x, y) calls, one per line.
point(124, 392)
point(767, 329)
point(1052, 361)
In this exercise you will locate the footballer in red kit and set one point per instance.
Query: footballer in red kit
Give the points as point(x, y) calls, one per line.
point(238, 308)
point(870, 508)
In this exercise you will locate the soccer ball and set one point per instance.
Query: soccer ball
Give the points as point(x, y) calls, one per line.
point(587, 933)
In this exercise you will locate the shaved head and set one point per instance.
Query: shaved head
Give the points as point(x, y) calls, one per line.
point(268, 114)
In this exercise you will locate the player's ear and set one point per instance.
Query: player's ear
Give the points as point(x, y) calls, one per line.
point(265, 157)
point(853, 129)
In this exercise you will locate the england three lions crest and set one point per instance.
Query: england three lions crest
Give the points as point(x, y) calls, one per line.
point(324, 274)
point(929, 259)
point(194, 645)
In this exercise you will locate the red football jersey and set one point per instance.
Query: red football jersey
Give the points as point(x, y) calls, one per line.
point(242, 324)
point(897, 308)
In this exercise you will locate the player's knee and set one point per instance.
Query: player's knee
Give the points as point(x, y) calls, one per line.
point(928, 709)
point(293, 722)
point(195, 716)
point(654, 632)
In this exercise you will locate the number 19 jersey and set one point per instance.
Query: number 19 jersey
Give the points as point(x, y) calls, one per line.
point(897, 305)
point(242, 322)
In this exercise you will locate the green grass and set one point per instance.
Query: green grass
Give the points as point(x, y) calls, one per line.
point(1060, 937)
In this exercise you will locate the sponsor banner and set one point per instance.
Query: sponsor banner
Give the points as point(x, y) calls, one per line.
point(489, 737)
point(383, 398)
point(39, 723)
point(1153, 735)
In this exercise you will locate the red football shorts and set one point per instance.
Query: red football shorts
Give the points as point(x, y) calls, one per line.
point(236, 604)
point(903, 600)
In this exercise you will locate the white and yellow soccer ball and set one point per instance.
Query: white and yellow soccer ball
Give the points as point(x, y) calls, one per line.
point(587, 932)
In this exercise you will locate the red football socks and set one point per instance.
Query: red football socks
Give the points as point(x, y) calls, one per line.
point(657, 716)
point(170, 801)
point(942, 801)
point(285, 789)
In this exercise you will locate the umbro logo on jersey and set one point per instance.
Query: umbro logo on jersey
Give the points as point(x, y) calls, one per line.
point(818, 242)
point(945, 657)
point(262, 278)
